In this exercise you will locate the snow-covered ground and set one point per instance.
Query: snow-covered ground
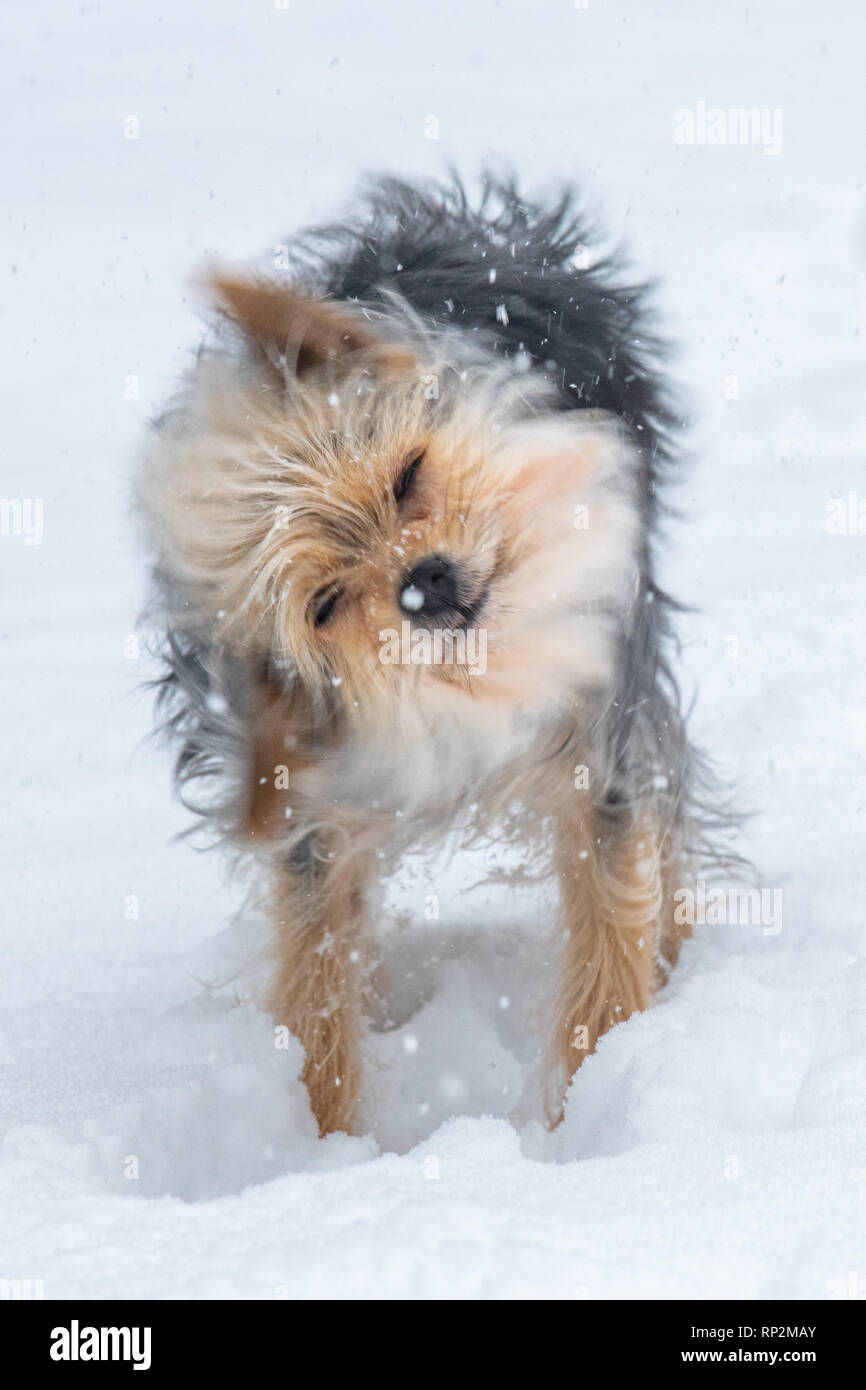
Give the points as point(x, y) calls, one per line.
point(714, 1146)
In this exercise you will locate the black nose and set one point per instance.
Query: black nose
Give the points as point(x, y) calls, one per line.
point(430, 588)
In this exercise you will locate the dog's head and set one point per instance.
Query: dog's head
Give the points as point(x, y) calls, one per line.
point(393, 517)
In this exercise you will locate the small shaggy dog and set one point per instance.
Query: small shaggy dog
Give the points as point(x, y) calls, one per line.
point(403, 518)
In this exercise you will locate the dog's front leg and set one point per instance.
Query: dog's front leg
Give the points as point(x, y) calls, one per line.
point(318, 911)
point(610, 883)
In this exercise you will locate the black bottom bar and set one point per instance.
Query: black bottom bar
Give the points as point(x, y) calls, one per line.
point(81, 1338)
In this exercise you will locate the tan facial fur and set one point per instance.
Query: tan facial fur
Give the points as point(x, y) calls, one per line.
point(278, 492)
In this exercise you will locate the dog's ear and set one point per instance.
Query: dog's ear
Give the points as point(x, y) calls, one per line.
point(277, 723)
point(285, 739)
point(301, 333)
point(549, 460)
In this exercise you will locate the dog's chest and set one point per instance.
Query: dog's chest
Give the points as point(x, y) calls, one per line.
point(432, 774)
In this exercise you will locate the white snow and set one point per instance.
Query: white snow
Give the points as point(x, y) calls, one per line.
point(155, 1139)
point(412, 598)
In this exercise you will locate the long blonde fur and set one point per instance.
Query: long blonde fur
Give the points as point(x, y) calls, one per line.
point(273, 485)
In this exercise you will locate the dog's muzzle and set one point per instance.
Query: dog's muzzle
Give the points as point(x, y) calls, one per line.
point(430, 589)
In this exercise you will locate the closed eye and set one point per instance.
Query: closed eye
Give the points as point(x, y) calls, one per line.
point(405, 480)
point(324, 603)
